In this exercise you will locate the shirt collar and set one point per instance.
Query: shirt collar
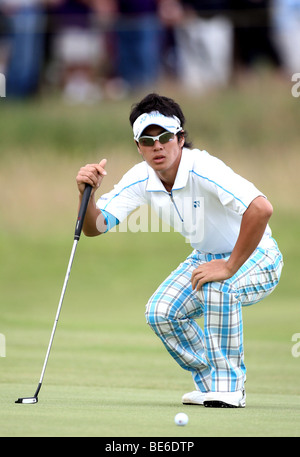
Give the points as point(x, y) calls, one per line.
point(154, 183)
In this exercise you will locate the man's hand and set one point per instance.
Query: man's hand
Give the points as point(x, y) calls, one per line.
point(215, 270)
point(253, 225)
point(91, 174)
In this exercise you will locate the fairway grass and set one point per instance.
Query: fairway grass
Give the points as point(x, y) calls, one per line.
point(108, 375)
point(135, 412)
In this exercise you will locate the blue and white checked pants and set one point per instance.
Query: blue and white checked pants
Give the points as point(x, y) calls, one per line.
point(214, 355)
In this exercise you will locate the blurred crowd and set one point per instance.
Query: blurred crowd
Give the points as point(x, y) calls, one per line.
point(88, 49)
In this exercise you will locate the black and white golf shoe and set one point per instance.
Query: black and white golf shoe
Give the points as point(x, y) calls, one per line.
point(225, 399)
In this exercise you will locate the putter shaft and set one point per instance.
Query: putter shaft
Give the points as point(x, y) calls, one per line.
point(78, 229)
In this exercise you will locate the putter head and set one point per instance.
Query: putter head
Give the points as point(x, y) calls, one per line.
point(27, 401)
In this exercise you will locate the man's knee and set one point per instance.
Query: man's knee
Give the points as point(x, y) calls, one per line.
point(156, 311)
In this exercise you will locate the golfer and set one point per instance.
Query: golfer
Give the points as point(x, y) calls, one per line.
point(234, 261)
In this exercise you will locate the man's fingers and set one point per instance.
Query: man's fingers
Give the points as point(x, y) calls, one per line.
point(101, 167)
point(215, 270)
point(88, 176)
point(197, 277)
point(103, 163)
point(91, 174)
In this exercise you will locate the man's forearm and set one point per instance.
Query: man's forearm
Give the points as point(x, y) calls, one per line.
point(254, 223)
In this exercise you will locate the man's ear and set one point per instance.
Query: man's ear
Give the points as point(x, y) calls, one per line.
point(181, 138)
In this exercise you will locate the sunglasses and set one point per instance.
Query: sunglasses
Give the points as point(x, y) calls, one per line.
point(163, 138)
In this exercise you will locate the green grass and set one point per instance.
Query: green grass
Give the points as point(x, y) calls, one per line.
point(108, 375)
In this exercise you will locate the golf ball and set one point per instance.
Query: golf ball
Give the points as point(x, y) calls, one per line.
point(181, 419)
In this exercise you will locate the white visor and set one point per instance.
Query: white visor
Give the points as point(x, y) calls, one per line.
point(171, 124)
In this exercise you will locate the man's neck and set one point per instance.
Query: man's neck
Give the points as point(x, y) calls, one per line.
point(168, 177)
point(167, 186)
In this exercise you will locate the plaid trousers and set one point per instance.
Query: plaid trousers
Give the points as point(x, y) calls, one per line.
point(214, 355)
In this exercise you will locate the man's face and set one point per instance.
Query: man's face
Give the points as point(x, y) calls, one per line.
point(163, 158)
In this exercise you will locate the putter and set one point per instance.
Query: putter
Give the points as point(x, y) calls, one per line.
point(78, 228)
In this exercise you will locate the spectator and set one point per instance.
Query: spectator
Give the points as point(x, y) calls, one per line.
point(286, 25)
point(138, 33)
point(252, 33)
point(25, 20)
point(171, 14)
point(3, 41)
point(77, 50)
point(204, 41)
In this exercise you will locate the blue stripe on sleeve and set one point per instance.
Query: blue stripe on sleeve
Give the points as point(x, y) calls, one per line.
point(111, 221)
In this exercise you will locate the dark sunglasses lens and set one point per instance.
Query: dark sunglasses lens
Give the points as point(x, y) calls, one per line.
point(146, 141)
point(166, 137)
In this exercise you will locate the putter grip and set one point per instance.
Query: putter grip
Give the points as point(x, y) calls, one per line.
point(82, 211)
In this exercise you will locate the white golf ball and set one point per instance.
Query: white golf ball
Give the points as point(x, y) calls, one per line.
point(181, 419)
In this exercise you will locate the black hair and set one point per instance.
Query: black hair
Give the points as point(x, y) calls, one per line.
point(164, 105)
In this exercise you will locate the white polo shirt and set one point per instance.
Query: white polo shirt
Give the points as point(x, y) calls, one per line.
point(206, 203)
